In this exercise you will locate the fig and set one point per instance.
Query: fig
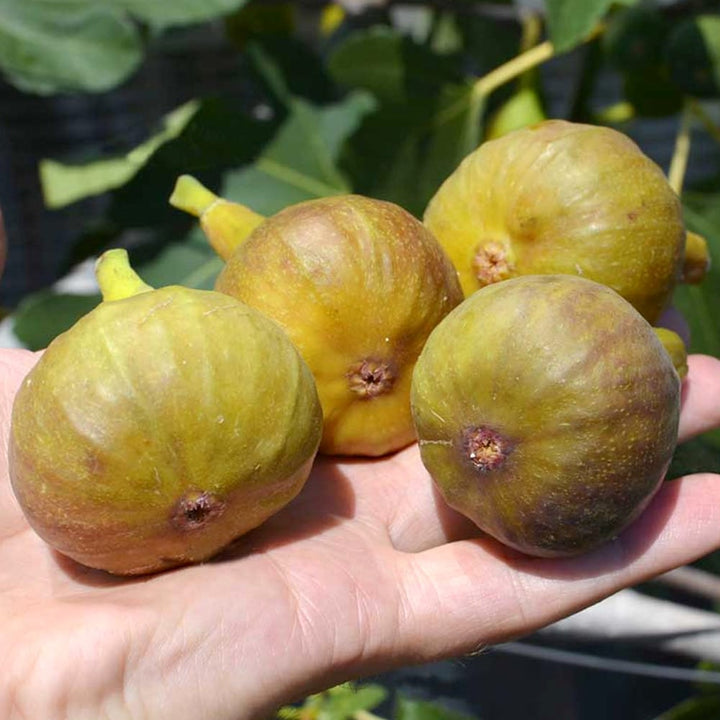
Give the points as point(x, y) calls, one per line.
point(568, 198)
point(546, 411)
point(160, 427)
point(358, 284)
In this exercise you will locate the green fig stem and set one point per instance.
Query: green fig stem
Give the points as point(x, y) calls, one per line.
point(117, 280)
point(697, 259)
point(679, 161)
point(192, 196)
point(520, 64)
point(676, 349)
point(225, 223)
point(511, 69)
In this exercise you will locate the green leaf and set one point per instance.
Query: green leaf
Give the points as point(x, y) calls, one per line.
point(42, 316)
point(391, 66)
point(161, 13)
point(343, 701)
point(221, 135)
point(454, 132)
point(49, 46)
point(65, 183)
point(699, 303)
point(408, 709)
point(405, 159)
point(301, 161)
point(571, 21)
point(191, 263)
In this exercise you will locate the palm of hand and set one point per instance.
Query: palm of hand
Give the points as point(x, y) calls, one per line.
point(365, 570)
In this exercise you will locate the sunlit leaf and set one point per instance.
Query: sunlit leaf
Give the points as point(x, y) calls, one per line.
point(301, 162)
point(221, 135)
point(65, 183)
point(409, 709)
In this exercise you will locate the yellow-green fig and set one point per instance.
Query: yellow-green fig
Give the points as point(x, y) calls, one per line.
point(562, 197)
point(546, 410)
point(160, 427)
point(358, 284)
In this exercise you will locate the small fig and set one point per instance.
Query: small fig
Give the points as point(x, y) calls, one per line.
point(546, 411)
point(562, 197)
point(358, 284)
point(164, 424)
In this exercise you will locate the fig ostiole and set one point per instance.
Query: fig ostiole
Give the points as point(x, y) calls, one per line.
point(563, 197)
point(358, 284)
point(160, 427)
point(546, 410)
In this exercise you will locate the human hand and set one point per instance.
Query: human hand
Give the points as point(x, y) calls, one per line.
point(365, 570)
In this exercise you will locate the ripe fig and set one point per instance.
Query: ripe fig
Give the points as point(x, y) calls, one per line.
point(546, 411)
point(562, 197)
point(161, 426)
point(358, 284)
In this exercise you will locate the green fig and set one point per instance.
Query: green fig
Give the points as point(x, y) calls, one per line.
point(160, 427)
point(358, 284)
point(562, 197)
point(546, 410)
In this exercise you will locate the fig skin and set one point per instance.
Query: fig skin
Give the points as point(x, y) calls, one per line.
point(161, 427)
point(358, 284)
point(562, 197)
point(547, 411)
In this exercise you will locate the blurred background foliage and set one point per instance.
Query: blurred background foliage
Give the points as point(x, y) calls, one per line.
point(269, 103)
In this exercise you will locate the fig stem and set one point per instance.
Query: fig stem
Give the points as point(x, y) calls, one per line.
point(225, 223)
point(521, 63)
point(117, 280)
point(675, 347)
point(192, 196)
point(511, 69)
point(679, 161)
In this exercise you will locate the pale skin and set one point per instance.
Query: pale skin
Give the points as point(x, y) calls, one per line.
point(365, 571)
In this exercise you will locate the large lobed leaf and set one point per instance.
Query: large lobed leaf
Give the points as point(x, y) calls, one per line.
point(427, 119)
point(301, 161)
point(52, 46)
point(49, 46)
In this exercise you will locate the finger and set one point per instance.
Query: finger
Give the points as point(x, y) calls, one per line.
point(486, 594)
point(701, 397)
